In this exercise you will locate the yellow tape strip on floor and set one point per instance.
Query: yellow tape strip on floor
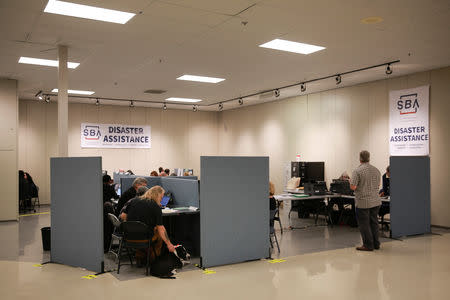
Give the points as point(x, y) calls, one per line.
point(37, 265)
point(89, 277)
point(275, 261)
point(206, 271)
point(35, 214)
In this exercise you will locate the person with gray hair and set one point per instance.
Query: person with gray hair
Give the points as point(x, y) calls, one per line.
point(365, 182)
point(130, 193)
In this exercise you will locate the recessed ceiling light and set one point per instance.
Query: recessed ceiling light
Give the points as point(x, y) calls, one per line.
point(183, 99)
point(87, 12)
point(76, 92)
point(372, 20)
point(200, 78)
point(45, 62)
point(289, 46)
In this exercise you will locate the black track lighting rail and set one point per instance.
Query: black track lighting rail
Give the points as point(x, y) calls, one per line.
point(240, 100)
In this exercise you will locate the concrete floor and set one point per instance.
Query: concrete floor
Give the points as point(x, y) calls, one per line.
point(320, 262)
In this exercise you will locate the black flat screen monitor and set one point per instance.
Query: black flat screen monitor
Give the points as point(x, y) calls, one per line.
point(314, 171)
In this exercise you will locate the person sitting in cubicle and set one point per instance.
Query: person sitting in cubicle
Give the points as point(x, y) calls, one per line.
point(130, 193)
point(161, 171)
point(147, 209)
point(167, 171)
point(154, 173)
point(108, 190)
point(385, 192)
point(139, 193)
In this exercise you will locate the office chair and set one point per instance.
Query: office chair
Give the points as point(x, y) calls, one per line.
point(136, 235)
point(36, 199)
point(272, 230)
point(277, 216)
point(116, 235)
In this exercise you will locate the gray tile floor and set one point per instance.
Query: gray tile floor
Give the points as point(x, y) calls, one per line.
point(21, 241)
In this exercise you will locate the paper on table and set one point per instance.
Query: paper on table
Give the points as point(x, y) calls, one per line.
point(193, 208)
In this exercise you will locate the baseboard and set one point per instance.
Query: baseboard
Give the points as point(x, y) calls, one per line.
point(439, 226)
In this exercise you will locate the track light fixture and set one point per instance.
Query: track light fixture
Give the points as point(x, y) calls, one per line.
point(131, 103)
point(338, 79)
point(97, 102)
point(277, 93)
point(39, 95)
point(303, 87)
point(47, 99)
point(164, 107)
point(241, 101)
point(388, 69)
point(220, 106)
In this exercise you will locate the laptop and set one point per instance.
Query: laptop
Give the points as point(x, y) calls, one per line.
point(164, 201)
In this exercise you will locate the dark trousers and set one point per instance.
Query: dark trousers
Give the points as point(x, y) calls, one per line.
point(368, 226)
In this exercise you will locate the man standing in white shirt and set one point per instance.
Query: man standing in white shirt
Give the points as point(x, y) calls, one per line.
point(365, 182)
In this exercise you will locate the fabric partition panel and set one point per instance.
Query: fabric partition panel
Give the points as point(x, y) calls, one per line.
point(234, 209)
point(77, 212)
point(184, 191)
point(410, 195)
point(118, 176)
point(185, 177)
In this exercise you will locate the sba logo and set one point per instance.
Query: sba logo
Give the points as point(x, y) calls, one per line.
point(408, 104)
point(91, 133)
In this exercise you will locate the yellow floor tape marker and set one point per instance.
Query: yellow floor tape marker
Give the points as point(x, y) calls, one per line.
point(206, 271)
point(89, 277)
point(37, 265)
point(275, 261)
point(36, 214)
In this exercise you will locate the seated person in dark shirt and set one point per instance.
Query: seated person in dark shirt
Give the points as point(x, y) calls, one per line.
point(385, 207)
point(272, 200)
point(139, 193)
point(108, 190)
point(385, 191)
point(130, 193)
point(147, 209)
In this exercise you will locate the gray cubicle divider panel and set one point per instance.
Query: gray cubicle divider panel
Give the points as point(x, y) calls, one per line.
point(184, 191)
point(410, 195)
point(77, 212)
point(234, 209)
point(118, 176)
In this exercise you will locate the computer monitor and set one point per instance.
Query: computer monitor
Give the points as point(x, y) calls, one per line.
point(165, 201)
point(314, 171)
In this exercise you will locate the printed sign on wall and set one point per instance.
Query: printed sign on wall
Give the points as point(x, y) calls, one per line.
point(115, 136)
point(409, 132)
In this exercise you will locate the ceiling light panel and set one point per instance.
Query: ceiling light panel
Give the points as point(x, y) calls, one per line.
point(78, 92)
point(200, 78)
point(290, 46)
point(87, 12)
point(175, 99)
point(45, 62)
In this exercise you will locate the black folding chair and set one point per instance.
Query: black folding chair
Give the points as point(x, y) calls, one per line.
point(136, 235)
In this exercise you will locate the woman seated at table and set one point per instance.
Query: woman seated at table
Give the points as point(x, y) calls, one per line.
point(147, 209)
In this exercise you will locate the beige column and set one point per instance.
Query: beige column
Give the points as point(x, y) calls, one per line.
point(63, 101)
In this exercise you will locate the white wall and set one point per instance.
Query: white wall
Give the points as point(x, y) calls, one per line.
point(333, 126)
point(179, 138)
point(8, 150)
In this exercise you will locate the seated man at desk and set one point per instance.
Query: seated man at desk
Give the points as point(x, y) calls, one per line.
point(147, 210)
point(385, 192)
point(108, 190)
point(130, 193)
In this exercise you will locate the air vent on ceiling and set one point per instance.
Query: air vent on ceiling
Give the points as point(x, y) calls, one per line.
point(155, 91)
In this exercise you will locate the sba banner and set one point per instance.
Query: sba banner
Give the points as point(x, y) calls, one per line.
point(115, 136)
point(409, 132)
